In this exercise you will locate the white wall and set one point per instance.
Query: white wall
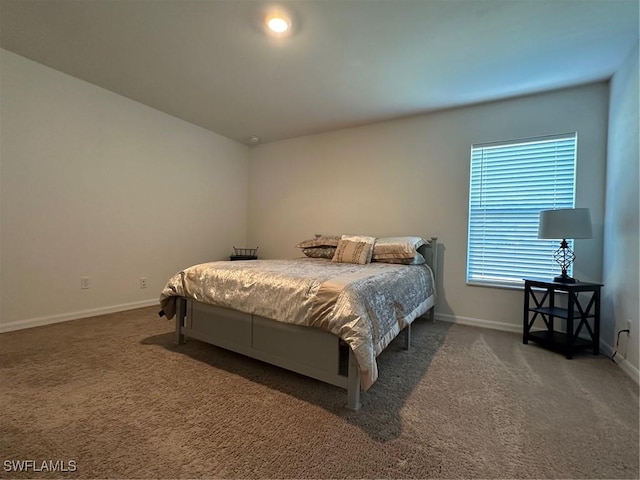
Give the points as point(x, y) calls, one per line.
point(621, 245)
point(411, 176)
point(88, 188)
point(94, 184)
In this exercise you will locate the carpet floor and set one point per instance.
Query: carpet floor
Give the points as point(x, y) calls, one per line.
point(113, 397)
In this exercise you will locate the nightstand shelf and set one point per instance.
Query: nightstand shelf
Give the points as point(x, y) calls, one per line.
point(559, 312)
point(582, 315)
point(557, 340)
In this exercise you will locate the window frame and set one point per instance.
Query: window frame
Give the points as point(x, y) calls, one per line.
point(483, 208)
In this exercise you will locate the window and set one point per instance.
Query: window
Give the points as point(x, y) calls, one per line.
point(510, 183)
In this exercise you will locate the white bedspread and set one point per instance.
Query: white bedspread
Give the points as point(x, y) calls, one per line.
point(364, 305)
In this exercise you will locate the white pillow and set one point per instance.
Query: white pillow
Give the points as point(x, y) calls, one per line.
point(397, 247)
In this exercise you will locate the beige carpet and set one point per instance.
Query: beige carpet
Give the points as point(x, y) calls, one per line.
point(115, 396)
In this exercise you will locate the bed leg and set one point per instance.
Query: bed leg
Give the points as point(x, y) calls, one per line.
point(407, 337)
point(181, 311)
point(353, 386)
point(432, 314)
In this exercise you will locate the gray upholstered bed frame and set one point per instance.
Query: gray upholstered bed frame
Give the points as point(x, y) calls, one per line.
point(309, 351)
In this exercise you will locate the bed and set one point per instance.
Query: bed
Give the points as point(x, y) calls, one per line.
point(325, 319)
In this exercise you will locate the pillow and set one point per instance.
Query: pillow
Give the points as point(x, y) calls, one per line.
point(319, 252)
point(320, 241)
point(354, 249)
point(417, 260)
point(397, 247)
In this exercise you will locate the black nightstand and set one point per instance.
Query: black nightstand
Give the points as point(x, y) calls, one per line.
point(540, 303)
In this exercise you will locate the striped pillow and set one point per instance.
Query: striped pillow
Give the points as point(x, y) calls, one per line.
point(354, 249)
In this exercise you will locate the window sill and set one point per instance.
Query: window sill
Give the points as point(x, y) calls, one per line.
point(505, 286)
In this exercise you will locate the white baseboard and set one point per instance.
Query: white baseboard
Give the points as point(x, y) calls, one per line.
point(626, 366)
point(630, 370)
point(605, 348)
point(65, 317)
point(477, 322)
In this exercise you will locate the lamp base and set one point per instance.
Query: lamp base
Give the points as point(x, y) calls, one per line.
point(565, 279)
point(565, 257)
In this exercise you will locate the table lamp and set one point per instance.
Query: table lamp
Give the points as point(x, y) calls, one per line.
point(564, 223)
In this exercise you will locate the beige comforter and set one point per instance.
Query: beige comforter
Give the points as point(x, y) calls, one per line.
point(365, 305)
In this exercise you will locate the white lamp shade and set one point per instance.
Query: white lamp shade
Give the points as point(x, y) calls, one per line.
point(565, 223)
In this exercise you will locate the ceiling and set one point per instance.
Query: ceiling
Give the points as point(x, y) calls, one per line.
point(347, 62)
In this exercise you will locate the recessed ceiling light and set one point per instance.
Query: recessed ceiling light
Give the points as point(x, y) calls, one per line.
point(278, 24)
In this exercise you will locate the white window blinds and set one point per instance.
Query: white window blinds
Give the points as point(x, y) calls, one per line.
point(510, 183)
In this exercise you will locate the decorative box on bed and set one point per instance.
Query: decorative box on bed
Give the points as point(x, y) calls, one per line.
point(324, 319)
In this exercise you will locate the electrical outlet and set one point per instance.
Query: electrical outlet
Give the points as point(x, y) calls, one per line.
point(627, 326)
point(143, 282)
point(85, 283)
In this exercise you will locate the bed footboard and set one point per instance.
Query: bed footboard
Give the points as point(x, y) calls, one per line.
point(308, 351)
